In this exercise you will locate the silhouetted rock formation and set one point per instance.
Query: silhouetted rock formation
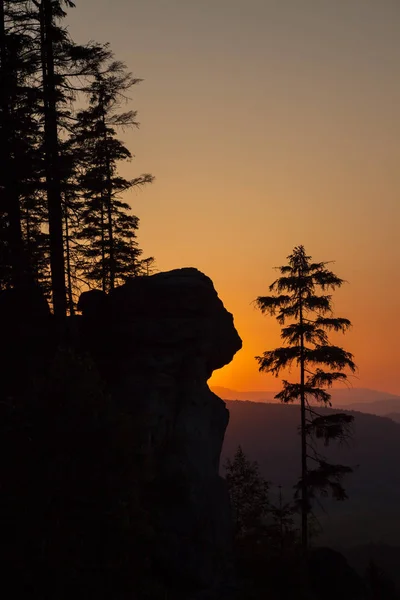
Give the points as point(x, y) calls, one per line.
point(158, 339)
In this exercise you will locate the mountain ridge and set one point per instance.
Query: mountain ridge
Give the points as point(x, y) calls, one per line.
point(340, 397)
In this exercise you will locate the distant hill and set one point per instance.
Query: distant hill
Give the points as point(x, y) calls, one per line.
point(346, 396)
point(395, 416)
point(268, 434)
point(384, 408)
point(227, 394)
point(361, 399)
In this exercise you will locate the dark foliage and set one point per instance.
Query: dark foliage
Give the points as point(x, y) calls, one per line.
point(74, 520)
point(248, 493)
point(269, 560)
point(104, 236)
point(52, 183)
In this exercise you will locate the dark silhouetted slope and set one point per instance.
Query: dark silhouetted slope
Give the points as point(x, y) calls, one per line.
point(227, 394)
point(268, 434)
point(382, 408)
point(364, 398)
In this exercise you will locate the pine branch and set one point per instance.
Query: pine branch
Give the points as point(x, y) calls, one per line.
point(333, 356)
point(325, 378)
point(274, 361)
point(331, 427)
point(270, 304)
point(335, 324)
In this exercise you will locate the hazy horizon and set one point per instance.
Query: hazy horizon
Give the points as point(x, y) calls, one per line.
point(357, 394)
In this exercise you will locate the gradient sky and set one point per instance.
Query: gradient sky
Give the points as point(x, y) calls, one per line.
point(269, 123)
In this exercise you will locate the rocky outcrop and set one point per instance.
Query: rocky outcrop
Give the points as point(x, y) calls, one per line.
point(159, 339)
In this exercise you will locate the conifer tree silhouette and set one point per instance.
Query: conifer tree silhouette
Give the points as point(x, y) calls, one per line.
point(320, 364)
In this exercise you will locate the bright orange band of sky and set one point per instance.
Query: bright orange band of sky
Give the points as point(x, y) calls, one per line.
point(268, 123)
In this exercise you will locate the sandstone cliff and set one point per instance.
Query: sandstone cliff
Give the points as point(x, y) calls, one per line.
point(159, 339)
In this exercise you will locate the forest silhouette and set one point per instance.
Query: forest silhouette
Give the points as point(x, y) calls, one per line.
point(110, 438)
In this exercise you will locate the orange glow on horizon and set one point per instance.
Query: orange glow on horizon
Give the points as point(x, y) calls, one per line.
point(260, 333)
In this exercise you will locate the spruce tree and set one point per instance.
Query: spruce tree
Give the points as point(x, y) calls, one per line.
point(283, 523)
point(248, 493)
point(306, 317)
point(109, 252)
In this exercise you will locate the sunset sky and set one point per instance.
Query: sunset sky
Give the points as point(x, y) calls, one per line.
point(267, 124)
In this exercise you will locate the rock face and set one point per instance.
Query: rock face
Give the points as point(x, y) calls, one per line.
point(166, 334)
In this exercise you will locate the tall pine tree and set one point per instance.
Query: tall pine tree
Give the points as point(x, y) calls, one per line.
point(306, 318)
point(108, 248)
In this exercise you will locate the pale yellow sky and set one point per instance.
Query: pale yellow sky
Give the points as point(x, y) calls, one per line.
point(269, 123)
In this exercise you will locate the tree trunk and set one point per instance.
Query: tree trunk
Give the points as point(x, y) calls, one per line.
point(103, 248)
point(109, 204)
point(10, 203)
point(68, 261)
point(304, 486)
point(281, 518)
point(52, 163)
